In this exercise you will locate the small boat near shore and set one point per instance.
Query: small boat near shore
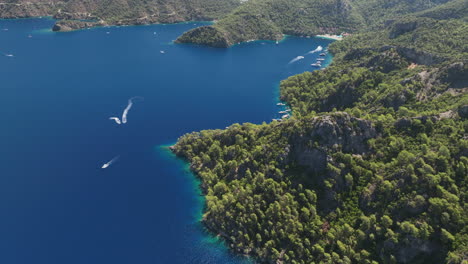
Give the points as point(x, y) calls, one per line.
point(323, 54)
point(280, 104)
point(284, 116)
point(316, 65)
point(320, 59)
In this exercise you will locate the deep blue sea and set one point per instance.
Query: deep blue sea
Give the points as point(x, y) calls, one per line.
point(57, 92)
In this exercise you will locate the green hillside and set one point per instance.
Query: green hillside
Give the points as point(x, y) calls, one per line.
point(371, 168)
point(270, 19)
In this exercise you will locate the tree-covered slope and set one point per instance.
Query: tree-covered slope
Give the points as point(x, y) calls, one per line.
point(84, 13)
point(270, 19)
point(456, 9)
point(376, 12)
point(371, 168)
point(29, 8)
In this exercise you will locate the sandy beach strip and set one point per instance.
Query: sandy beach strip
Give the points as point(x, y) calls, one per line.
point(327, 36)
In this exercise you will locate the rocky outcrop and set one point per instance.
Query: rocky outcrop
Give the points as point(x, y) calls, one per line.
point(450, 78)
point(414, 55)
point(463, 111)
point(414, 247)
point(455, 75)
point(337, 132)
point(387, 61)
point(401, 28)
point(313, 152)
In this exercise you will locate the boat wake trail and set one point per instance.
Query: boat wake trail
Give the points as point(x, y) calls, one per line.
point(116, 119)
point(318, 49)
point(7, 54)
point(130, 104)
point(110, 162)
point(296, 59)
point(125, 112)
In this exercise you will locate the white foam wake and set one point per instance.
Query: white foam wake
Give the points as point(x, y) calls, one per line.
point(110, 162)
point(125, 112)
point(318, 49)
point(296, 59)
point(130, 104)
point(8, 54)
point(116, 119)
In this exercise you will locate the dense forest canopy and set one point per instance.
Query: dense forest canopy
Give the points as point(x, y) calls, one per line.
point(270, 19)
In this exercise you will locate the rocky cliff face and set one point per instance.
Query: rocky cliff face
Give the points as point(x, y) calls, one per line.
point(450, 78)
point(313, 152)
point(337, 132)
point(400, 28)
point(415, 55)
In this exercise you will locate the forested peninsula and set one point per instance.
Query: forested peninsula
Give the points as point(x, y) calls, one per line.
point(372, 166)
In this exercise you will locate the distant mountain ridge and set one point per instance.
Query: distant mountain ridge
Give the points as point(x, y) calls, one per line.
point(76, 14)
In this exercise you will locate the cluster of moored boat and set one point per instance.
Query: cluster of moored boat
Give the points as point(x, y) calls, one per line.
point(319, 61)
point(285, 113)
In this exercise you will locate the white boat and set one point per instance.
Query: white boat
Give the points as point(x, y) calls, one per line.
point(282, 112)
point(316, 65)
point(323, 54)
point(320, 59)
point(162, 51)
point(280, 104)
point(285, 116)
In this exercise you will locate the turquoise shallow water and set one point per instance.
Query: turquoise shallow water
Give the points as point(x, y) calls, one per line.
point(57, 92)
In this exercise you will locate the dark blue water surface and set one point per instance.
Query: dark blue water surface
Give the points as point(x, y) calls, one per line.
point(57, 92)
